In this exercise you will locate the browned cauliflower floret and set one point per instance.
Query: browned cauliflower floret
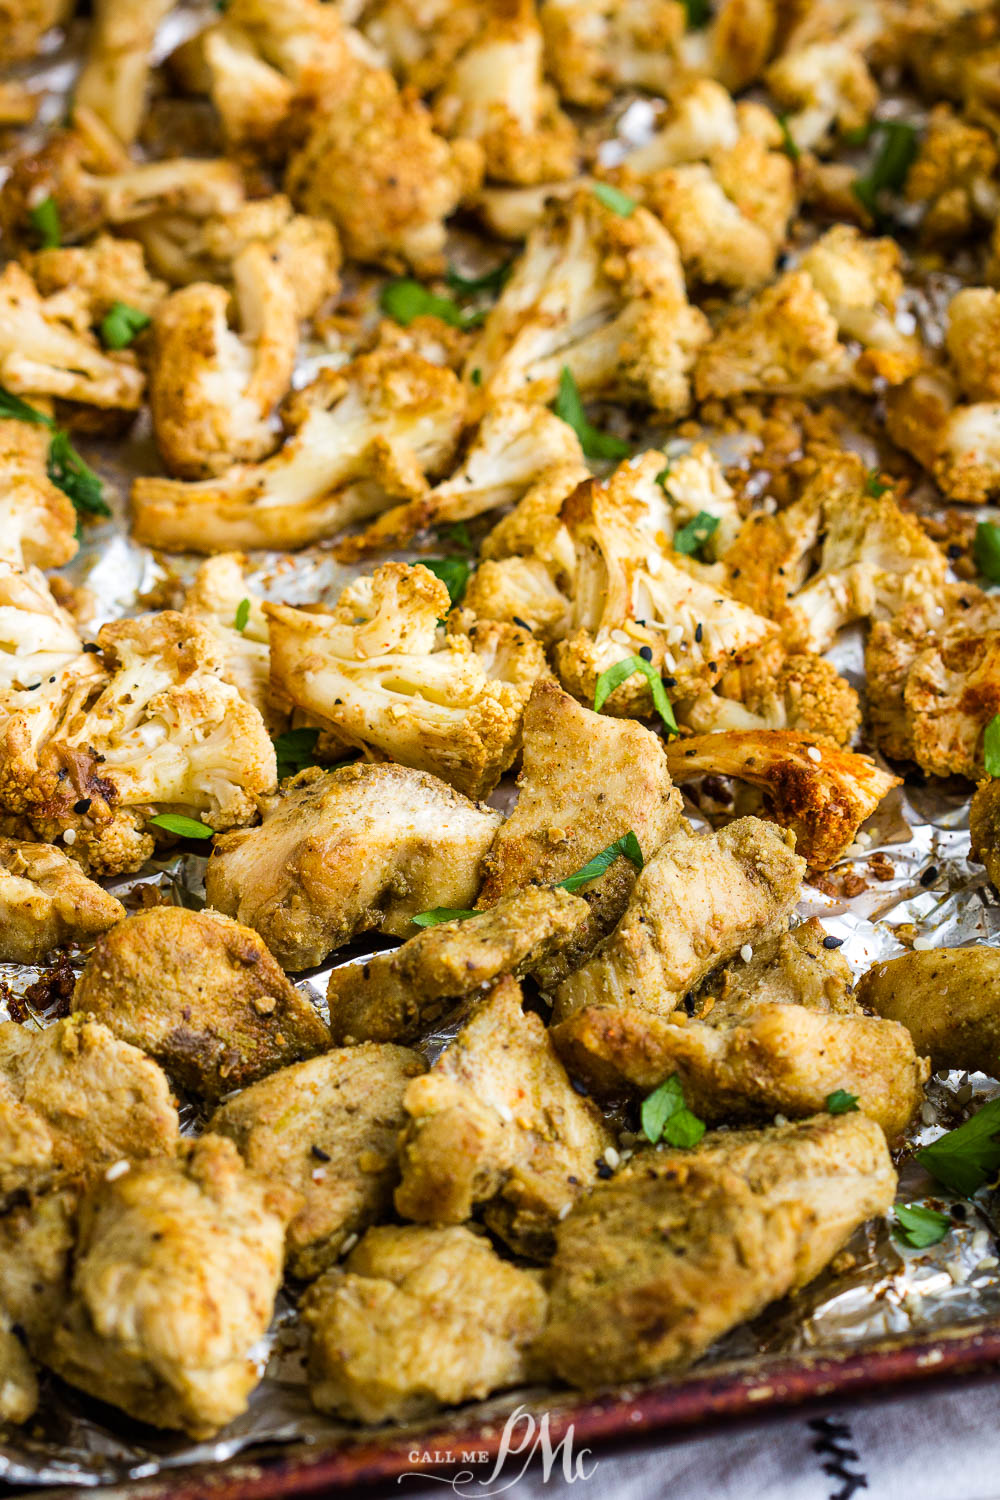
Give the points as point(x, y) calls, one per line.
point(47, 348)
point(933, 677)
point(212, 392)
point(772, 690)
point(107, 270)
point(380, 671)
point(598, 577)
point(116, 68)
point(224, 603)
point(971, 341)
point(373, 164)
point(826, 87)
point(23, 24)
point(359, 438)
point(37, 521)
point(837, 554)
point(602, 295)
point(515, 446)
point(821, 792)
point(954, 177)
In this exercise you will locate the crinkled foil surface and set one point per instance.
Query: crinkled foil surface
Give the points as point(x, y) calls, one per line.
point(926, 892)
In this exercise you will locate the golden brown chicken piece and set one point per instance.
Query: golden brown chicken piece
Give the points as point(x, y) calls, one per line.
point(349, 851)
point(781, 1059)
point(18, 1382)
point(652, 1267)
point(420, 1318)
point(497, 1123)
point(328, 1129)
point(46, 901)
point(949, 1001)
point(821, 792)
point(174, 1279)
point(794, 968)
point(984, 826)
point(37, 1237)
point(586, 780)
point(395, 997)
point(696, 903)
point(73, 1098)
point(202, 995)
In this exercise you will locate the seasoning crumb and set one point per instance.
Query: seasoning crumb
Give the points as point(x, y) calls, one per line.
point(117, 1169)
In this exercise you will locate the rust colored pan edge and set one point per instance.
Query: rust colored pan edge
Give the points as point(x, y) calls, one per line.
point(665, 1407)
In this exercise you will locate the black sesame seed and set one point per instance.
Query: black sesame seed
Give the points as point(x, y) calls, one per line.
point(523, 623)
point(91, 646)
point(581, 1088)
point(698, 632)
point(319, 1153)
point(82, 806)
point(930, 875)
point(954, 551)
point(833, 942)
point(670, 681)
point(646, 652)
point(603, 1170)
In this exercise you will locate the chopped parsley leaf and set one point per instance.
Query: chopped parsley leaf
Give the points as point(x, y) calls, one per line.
point(888, 171)
point(613, 198)
point(242, 615)
point(692, 537)
point(991, 746)
point(665, 1116)
point(295, 750)
point(489, 281)
point(439, 914)
point(44, 220)
point(788, 145)
point(967, 1157)
point(569, 406)
point(406, 299)
point(121, 324)
point(452, 571)
point(986, 550)
point(628, 845)
point(185, 828)
point(840, 1102)
point(75, 478)
point(620, 672)
point(919, 1227)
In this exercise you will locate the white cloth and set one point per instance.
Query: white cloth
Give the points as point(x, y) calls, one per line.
point(941, 1444)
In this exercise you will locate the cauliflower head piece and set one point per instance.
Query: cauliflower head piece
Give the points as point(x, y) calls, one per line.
point(116, 68)
point(954, 177)
point(824, 87)
point(358, 438)
point(106, 270)
point(778, 689)
point(383, 673)
point(222, 601)
point(37, 520)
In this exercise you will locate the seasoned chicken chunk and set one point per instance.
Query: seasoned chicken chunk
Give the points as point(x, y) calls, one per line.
point(421, 1318)
point(73, 1098)
point(176, 1270)
point(398, 996)
point(37, 1238)
point(328, 1129)
point(47, 902)
point(348, 851)
point(652, 1267)
point(497, 1124)
point(984, 827)
point(202, 995)
point(696, 903)
point(949, 1001)
point(586, 780)
point(779, 1059)
point(794, 968)
point(18, 1382)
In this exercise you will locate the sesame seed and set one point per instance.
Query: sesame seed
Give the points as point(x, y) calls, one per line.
point(349, 1244)
point(668, 662)
point(781, 1119)
point(928, 1113)
point(929, 876)
point(319, 1174)
point(566, 1208)
point(814, 754)
point(69, 837)
point(82, 806)
point(505, 1112)
point(988, 1263)
point(116, 1170)
point(956, 1271)
point(646, 652)
point(619, 637)
point(611, 1157)
point(980, 1240)
point(833, 942)
point(746, 953)
point(698, 632)
point(923, 942)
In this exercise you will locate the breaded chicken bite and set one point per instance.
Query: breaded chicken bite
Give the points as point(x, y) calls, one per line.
point(358, 439)
point(585, 781)
point(223, 602)
point(599, 294)
point(984, 827)
point(213, 392)
point(779, 1059)
point(420, 1318)
point(18, 1382)
point(350, 851)
point(116, 68)
point(698, 901)
point(714, 1235)
point(37, 1239)
point(379, 671)
point(497, 1126)
point(37, 520)
point(794, 968)
point(398, 996)
point(47, 902)
point(202, 995)
point(821, 792)
point(328, 1130)
point(107, 270)
point(373, 164)
point(949, 1001)
point(73, 1098)
point(176, 1270)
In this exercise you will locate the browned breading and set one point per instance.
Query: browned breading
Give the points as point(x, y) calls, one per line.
point(46, 902)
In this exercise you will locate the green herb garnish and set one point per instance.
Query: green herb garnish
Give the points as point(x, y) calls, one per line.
point(614, 198)
point(295, 750)
point(663, 476)
point(665, 1116)
point(628, 845)
point(14, 409)
point(242, 615)
point(888, 171)
point(699, 13)
point(44, 220)
point(919, 1227)
point(620, 672)
point(185, 828)
point(406, 299)
point(439, 914)
point(121, 324)
point(840, 1102)
point(490, 281)
point(986, 550)
point(991, 746)
point(787, 140)
point(968, 1156)
point(75, 478)
point(875, 485)
point(569, 406)
point(452, 571)
point(692, 537)
point(456, 532)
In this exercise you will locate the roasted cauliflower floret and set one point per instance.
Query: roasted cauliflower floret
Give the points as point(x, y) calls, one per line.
point(358, 437)
point(373, 165)
point(956, 441)
point(822, 793)
point(23, 24)
point(971, 341)
point(775, 690)
point(861, 281)
point(116, 68)
point(601, 295)
point(212, 392)
point(107, 270)
point(47, 348)
point(495, 93)
point(954, 177)
point(380, 672)
point(37, 520)
point(219, 598)
point(516, 445)
point(45, 902)
point(825, 87)
point(350, 851)
point(837, 554)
